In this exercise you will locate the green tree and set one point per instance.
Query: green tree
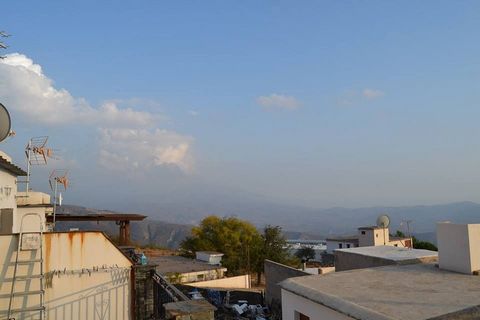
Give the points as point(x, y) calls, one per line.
point(272, 246)
point(305, 253)
point(238, 240)
point(418, 244)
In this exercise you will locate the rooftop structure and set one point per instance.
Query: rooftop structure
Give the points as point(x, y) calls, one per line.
point(367, 236)
point(419, 291)
point(123, 220)
point(376, 256)
point(183, 270)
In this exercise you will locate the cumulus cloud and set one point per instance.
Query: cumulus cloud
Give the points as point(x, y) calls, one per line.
point(127, 137)
point(372, 93)
point(141, 148)
point(278, 101)
point(26, 89)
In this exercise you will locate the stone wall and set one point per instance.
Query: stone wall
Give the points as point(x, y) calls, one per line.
point(143, 300)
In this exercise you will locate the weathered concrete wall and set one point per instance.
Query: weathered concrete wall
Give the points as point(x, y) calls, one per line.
point(190, 277)
point(86, 277)
point(293, 305)
point(274, 274)
point(348, 261)
point(239, 282)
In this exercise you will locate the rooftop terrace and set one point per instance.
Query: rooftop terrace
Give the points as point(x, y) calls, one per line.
point(418, 291)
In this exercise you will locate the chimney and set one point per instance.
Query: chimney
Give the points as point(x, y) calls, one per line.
point(458, 247)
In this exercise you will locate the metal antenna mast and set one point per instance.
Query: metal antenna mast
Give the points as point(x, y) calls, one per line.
point(58, 176)
point(37, 154)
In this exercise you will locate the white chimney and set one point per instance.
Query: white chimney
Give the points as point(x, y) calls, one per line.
point(458, 247)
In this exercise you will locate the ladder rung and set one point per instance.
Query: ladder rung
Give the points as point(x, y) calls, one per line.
point(29, 309)
point(29, 261)
point(23, 278)
point(26, 293)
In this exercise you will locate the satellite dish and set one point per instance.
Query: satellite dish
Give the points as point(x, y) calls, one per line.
point(383, 221)
point(5, 123)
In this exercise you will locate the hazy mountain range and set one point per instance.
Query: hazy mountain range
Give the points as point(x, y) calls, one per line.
point(168, 225)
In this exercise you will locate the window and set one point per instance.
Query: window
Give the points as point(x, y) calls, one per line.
point(200, 277)
point(363, 232)
point(348, 245)
point(340, 245)
point(395, 245)
point(376, 235)
point(301, 316)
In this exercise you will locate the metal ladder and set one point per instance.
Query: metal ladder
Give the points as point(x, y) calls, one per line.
point(31, 262)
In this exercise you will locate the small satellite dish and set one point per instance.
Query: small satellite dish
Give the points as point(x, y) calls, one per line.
point(5, 123)
point(383, 221)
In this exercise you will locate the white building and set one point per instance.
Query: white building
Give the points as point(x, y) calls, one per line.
point(367, 236)
point(402, 292)
point(78, 275)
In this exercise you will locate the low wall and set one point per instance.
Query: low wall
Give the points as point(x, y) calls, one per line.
point(239, 282)
point(274, 274)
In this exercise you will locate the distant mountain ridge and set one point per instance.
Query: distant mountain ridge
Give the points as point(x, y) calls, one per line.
point(297, 222)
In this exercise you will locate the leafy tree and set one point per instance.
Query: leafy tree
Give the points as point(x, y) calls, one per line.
point(272, 246)
point(305, 253)
point(418, 244)
point(238, 240)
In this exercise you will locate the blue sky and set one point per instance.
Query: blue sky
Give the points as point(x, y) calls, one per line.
point(318, 103)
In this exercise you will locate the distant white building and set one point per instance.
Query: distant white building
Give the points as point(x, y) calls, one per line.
point(367, 236)
point(210, 257)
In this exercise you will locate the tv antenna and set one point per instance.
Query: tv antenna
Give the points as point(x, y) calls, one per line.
point(5, 124)
point(58, 177)
point(37, 154)
point(383, 222)
point(409, 234)
point(3, 34)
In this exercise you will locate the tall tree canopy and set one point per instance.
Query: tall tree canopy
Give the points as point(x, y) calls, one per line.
point(237, 239)
point(244, 248)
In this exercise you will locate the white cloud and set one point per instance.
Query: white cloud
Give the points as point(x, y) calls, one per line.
point(278, 101)
point(143, 149)
point(372, 93)
point(128, 138)
point(352, 97)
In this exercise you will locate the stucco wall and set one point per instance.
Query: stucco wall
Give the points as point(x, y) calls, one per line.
point(86, 277)
point(292, 304)
point(8, 182)
point(239, 282)
point(458, 247)
point(30, 223)
point(332, 245)
point(274, 274)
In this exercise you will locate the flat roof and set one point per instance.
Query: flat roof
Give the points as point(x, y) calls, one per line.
point(401, 292)
point(212, 253)
point(343, 238)
point(168, 264)
point(391, 253)
point(371, 228)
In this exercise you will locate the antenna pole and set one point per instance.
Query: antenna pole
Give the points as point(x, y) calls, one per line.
point(55, 203)
point(384, 240)
point(28, 165)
